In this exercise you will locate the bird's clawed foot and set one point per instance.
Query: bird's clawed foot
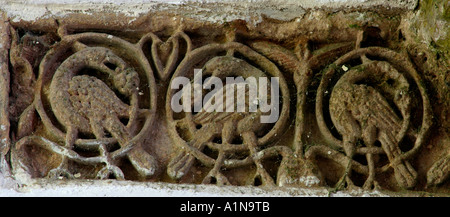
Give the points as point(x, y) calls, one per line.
point(371, 184)
point(61, 172)
point(215, 177)
point(344, 183)
point(180, 165)
point(110, 170)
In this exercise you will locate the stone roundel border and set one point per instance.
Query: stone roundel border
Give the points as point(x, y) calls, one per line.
point(46, 70)
point(212, 50)
point(397, 60)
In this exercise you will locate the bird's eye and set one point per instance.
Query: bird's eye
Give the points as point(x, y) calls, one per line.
point(390, 81)
point(111, 66)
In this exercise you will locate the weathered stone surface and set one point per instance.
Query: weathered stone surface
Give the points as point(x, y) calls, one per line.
point(363, 95)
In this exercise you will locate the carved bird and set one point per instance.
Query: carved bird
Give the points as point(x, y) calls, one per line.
point(84, 103)
point(227, 124)
point(360, 111)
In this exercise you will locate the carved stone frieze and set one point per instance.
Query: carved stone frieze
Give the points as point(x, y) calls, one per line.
point(354, 108)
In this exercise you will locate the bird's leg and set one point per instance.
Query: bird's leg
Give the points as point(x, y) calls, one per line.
point(370, 181)
point(215, 172)
point(251, 141)
point(369, 136)
point(353, 132)
point(62, 170)
point(110, 168)
point(349, 149)
point(228, 133)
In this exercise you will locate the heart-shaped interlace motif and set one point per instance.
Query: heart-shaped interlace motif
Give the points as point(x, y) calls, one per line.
point(164, 55)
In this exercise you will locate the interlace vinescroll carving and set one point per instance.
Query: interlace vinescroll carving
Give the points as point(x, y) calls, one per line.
point(365, 108)
point(368, 96)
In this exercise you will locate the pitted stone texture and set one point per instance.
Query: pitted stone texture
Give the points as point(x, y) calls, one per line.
point(91, 98)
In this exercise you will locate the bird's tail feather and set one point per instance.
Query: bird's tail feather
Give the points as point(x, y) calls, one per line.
point(180, 165)
point(439, 171)
point(142, 161)
point(405, 174)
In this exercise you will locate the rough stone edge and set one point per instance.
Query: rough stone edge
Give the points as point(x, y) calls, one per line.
point(102, 188)
point(113, 188)
point(4, 91)
point(211, 10)
point(117, 188)
point(6, 180)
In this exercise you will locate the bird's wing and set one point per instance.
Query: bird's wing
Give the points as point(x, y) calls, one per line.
point(99, 96)
point(379, 111)
point(215, 108)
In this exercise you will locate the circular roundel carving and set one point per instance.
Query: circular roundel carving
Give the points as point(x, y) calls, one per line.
point(96, 93)
point(368, 104)
point(235, 135)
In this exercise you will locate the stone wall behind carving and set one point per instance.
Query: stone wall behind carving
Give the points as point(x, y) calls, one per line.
point(363, 99)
